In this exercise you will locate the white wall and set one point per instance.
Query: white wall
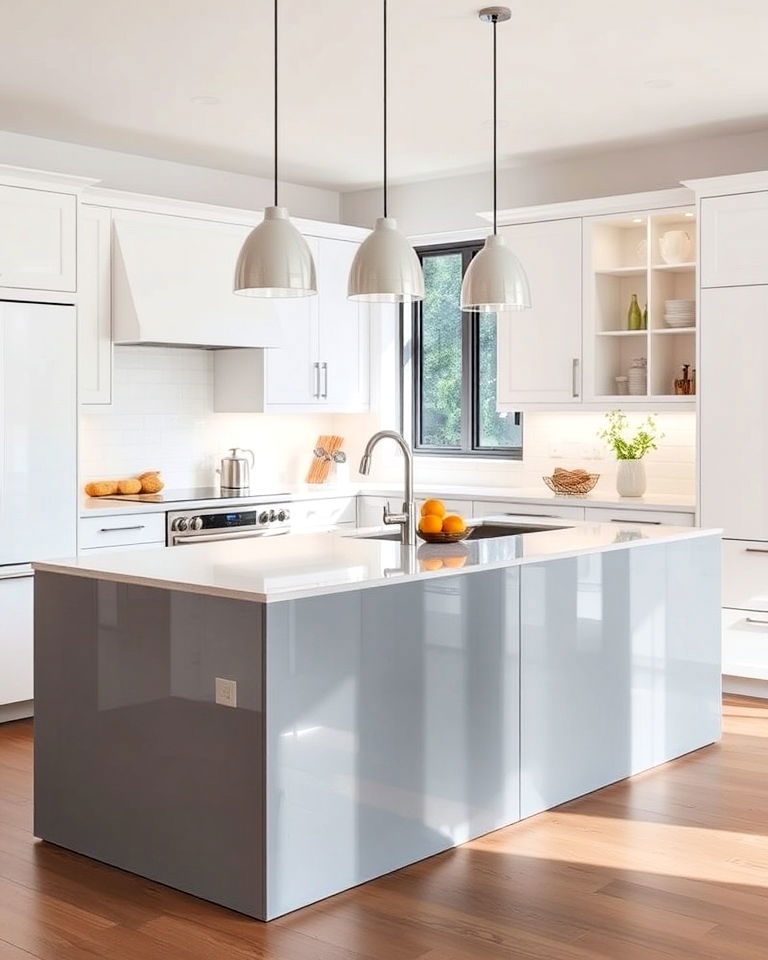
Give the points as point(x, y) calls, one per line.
point(434, 206)
point(162, 419)
point(162, 178)
point(549, 440)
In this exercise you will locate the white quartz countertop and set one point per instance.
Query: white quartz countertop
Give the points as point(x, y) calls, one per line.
point(270, 569)
point(677, 503)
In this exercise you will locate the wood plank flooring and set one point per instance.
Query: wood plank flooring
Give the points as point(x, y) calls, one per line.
point(673, 863)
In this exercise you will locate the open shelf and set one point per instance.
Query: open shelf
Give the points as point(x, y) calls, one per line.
point(622, 333)
point(626, 259)
point(675, 267)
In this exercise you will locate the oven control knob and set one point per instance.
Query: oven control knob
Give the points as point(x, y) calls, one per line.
point(196, 523)
point(282, 516)
point(263, 517)
point(272, 516)
point(182, 523)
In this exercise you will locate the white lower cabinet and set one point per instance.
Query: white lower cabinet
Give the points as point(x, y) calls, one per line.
point(745, 575)
point(745, 644)
point(307, 515)
point(121, 531)
point(650, 517)
point(16, 638)
point(543, 511)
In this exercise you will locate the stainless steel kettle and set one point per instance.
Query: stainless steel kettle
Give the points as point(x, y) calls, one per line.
point(235, 469)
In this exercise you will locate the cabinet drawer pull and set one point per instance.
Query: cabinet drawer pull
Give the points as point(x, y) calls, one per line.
point(139, 526)
point(763, 623)
point(624, 520)
point(575, 377)
point(755, 550)
point(324, 367)
point(537, 516)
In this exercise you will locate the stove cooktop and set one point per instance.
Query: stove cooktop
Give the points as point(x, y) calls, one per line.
point(198, 493)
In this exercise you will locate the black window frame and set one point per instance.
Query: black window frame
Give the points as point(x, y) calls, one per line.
point(470, 393)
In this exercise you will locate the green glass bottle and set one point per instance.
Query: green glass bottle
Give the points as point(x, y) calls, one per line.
point(635, 315)
point(645, 318)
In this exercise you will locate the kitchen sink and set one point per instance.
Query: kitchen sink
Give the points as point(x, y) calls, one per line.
point(483, 531)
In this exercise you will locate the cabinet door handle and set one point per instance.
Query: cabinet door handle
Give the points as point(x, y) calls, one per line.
point(649, 522)
point(763, 623)
point(139, 526)
point(575, 377)
point(755, 550)
point(316, 373)
point(325, 380)
point(537, 516)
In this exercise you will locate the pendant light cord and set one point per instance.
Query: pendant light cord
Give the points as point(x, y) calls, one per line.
point(385, 106)
point(275, 131)
point(495, 136)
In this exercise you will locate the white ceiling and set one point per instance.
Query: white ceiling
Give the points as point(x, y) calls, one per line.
point(122, 74)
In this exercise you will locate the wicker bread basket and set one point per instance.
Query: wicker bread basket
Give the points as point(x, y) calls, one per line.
point(571, 483)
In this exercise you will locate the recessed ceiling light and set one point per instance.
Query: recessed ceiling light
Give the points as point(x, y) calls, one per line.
point(689, 214)
point(638, 220)
point(205, 101)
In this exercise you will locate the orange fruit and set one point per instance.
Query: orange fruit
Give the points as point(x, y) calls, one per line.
point(430, 524)
point(454, 524)
point(435, 508)
point(431, 563)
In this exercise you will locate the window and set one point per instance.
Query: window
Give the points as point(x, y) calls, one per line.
point(454, 367)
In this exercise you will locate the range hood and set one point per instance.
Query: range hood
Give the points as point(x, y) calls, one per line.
point(172, 285)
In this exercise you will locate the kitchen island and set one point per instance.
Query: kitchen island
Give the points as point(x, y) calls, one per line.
point(377, 703)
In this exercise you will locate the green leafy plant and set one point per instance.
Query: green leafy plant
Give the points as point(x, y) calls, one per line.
point(645, 438)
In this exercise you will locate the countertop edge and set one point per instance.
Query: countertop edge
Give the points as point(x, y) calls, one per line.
point(675, 534)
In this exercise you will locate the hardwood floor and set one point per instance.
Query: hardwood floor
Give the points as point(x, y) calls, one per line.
point(673, 863)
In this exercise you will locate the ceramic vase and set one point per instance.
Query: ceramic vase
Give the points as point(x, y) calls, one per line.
point(630, 480)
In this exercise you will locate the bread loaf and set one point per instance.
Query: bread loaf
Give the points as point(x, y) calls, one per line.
point(101, 488)
point(129, 486)
point(151, 482)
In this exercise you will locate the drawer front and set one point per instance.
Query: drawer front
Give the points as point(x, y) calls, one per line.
point(745, 574)
point(313, 514)
point(651, 517)
point(745, 644)
point(119, 531)
point(544, 511)
point(122, 548)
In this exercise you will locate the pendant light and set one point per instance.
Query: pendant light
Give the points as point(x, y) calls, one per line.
point(386, 268)
point(495, 279)
point(275, 260)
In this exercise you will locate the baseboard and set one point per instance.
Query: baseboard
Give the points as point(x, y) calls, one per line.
point(746, 687)
point(17, 711)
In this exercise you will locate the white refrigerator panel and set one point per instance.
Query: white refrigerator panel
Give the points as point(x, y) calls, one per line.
point(38, 432)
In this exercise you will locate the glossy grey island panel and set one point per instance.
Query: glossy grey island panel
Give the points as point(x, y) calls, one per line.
point(372, 729)
point(374, 725)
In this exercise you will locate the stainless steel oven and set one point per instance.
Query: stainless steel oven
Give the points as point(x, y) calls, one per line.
point(210, 525)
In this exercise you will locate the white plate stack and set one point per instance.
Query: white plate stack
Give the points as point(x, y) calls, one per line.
point(680, 313)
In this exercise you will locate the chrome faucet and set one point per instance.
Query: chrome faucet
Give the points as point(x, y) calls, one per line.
point(407, 517)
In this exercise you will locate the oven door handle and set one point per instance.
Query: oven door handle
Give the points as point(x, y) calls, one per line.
point(182, 540)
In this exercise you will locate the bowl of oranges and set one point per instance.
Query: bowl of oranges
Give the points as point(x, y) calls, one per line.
point(436, 525)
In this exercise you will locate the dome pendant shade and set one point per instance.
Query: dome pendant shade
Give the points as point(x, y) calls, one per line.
point(275, 260)
point(386, 268)
point(495, 280)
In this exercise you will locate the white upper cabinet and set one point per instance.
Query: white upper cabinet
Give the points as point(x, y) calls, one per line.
point(38, 231)
point(325, 362)
point(172, 282)
point(734, 411)
point(539, 350)
point(734, 240)
point(343, 332)
point(94, 315)
point(292, 374)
